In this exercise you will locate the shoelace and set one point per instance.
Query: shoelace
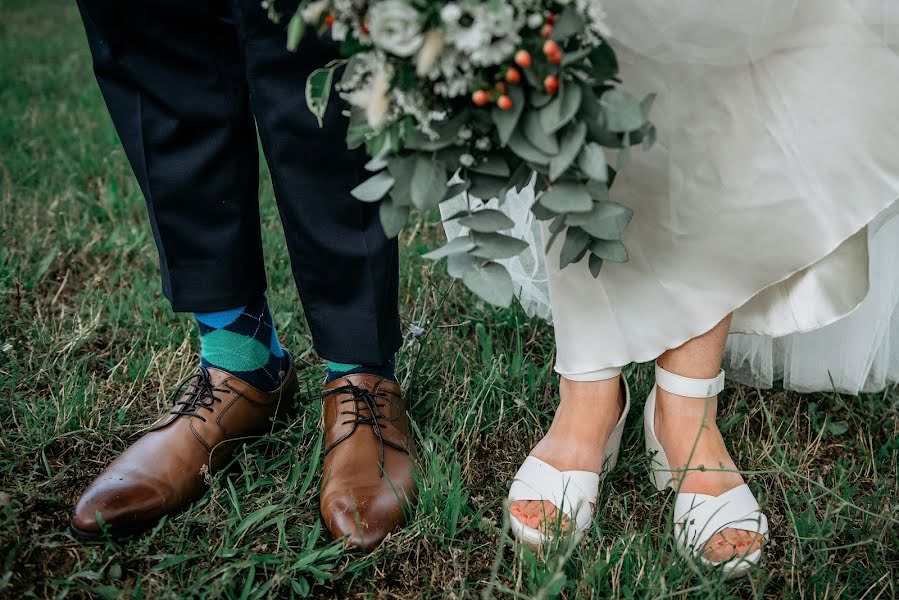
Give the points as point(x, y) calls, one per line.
point(200, 395)
point(365, 400)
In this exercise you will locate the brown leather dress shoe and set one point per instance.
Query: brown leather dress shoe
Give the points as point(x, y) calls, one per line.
point(367, 481)
point(166, 469)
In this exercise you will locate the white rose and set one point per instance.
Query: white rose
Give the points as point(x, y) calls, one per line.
point(395, 27)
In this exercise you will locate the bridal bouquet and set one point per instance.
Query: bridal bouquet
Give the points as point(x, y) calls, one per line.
point(482, 94)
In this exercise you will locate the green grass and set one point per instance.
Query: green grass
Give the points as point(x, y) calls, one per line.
point(89, 350)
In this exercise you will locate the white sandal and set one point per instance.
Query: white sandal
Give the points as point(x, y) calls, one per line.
point(698, 517)
point(572, 492)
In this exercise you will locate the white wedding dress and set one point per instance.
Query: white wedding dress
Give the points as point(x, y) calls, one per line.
point(771, 193)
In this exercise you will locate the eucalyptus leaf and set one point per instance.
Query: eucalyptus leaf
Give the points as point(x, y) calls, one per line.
point(416, 140)
point(570, 58)
point(457, 245)
point(455, 190)
point(603, 63)
point(599, 190)
point(402, 168)
point(595, 264)
point(592, 162)
point(569, 103)
point(623, 111)
point(567, 197)
point(568, 24)
point(295, 30)
point(577, 242)
point(487, 220)
point(606, 220)
point(542, 213)
point(318, 92)
point(393, 217)
point(540, 99)
point(496, 245)
point(428, 178)
point(493, 165)
point(376, 164)
point(374, 188)
point(486, 187)
point(523, 149)
point(537, 135)
point(457, 264)
point(507, 120)
point(572, 142)
point(491, 281)
point(611, 250)
point(551, 114)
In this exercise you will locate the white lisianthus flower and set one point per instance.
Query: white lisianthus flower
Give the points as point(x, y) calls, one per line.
point(312, 12)
point(429, 52)
point(395, 26)
point(487, 34)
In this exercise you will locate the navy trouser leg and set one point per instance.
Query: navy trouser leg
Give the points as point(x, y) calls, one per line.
point(185, 84)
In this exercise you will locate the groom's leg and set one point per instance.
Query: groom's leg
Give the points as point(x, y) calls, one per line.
point(173, 79)
point(347, 274)
point(346, 270)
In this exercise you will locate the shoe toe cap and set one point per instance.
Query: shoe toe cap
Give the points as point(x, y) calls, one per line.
point(363, 517)
point(123, 503)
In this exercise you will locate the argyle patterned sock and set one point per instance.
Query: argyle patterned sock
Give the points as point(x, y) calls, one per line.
point(337, 370)
point(243, 341)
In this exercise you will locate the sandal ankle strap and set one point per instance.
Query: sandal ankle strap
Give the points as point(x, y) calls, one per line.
point(685, 386)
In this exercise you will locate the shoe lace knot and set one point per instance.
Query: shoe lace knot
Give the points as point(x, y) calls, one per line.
point(194, 394)
point(365, 409)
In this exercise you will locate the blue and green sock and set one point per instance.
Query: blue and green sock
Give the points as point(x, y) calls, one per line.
point(337, 370)
point(243, 341)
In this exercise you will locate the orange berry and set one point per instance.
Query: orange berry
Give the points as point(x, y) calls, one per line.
point(329, 19)
point(551, 18)
point(513, 75)
point(480, 97)
point(546, 30)
point(523, 59)
point(504, 102)
point(555, 58)
point(501, 87)
point(551, 84)
point(551, 47)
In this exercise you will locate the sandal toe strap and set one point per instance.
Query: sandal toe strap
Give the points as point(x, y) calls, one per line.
point(571, 492)
point(698, 517)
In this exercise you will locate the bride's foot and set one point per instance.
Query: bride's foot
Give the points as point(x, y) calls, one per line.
point(576, 441)
point(688, 432)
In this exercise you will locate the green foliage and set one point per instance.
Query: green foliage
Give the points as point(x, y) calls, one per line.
point(318, 91)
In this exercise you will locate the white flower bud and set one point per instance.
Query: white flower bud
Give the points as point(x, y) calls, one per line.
point(482, 144)
point(535, 20)
point(467, 160)
point(465, 133)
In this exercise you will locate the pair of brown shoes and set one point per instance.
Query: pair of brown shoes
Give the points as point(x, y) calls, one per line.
point(367, 482)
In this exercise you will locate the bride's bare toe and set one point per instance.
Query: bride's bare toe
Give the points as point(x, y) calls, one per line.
point(539, 514)
point(731, 543)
